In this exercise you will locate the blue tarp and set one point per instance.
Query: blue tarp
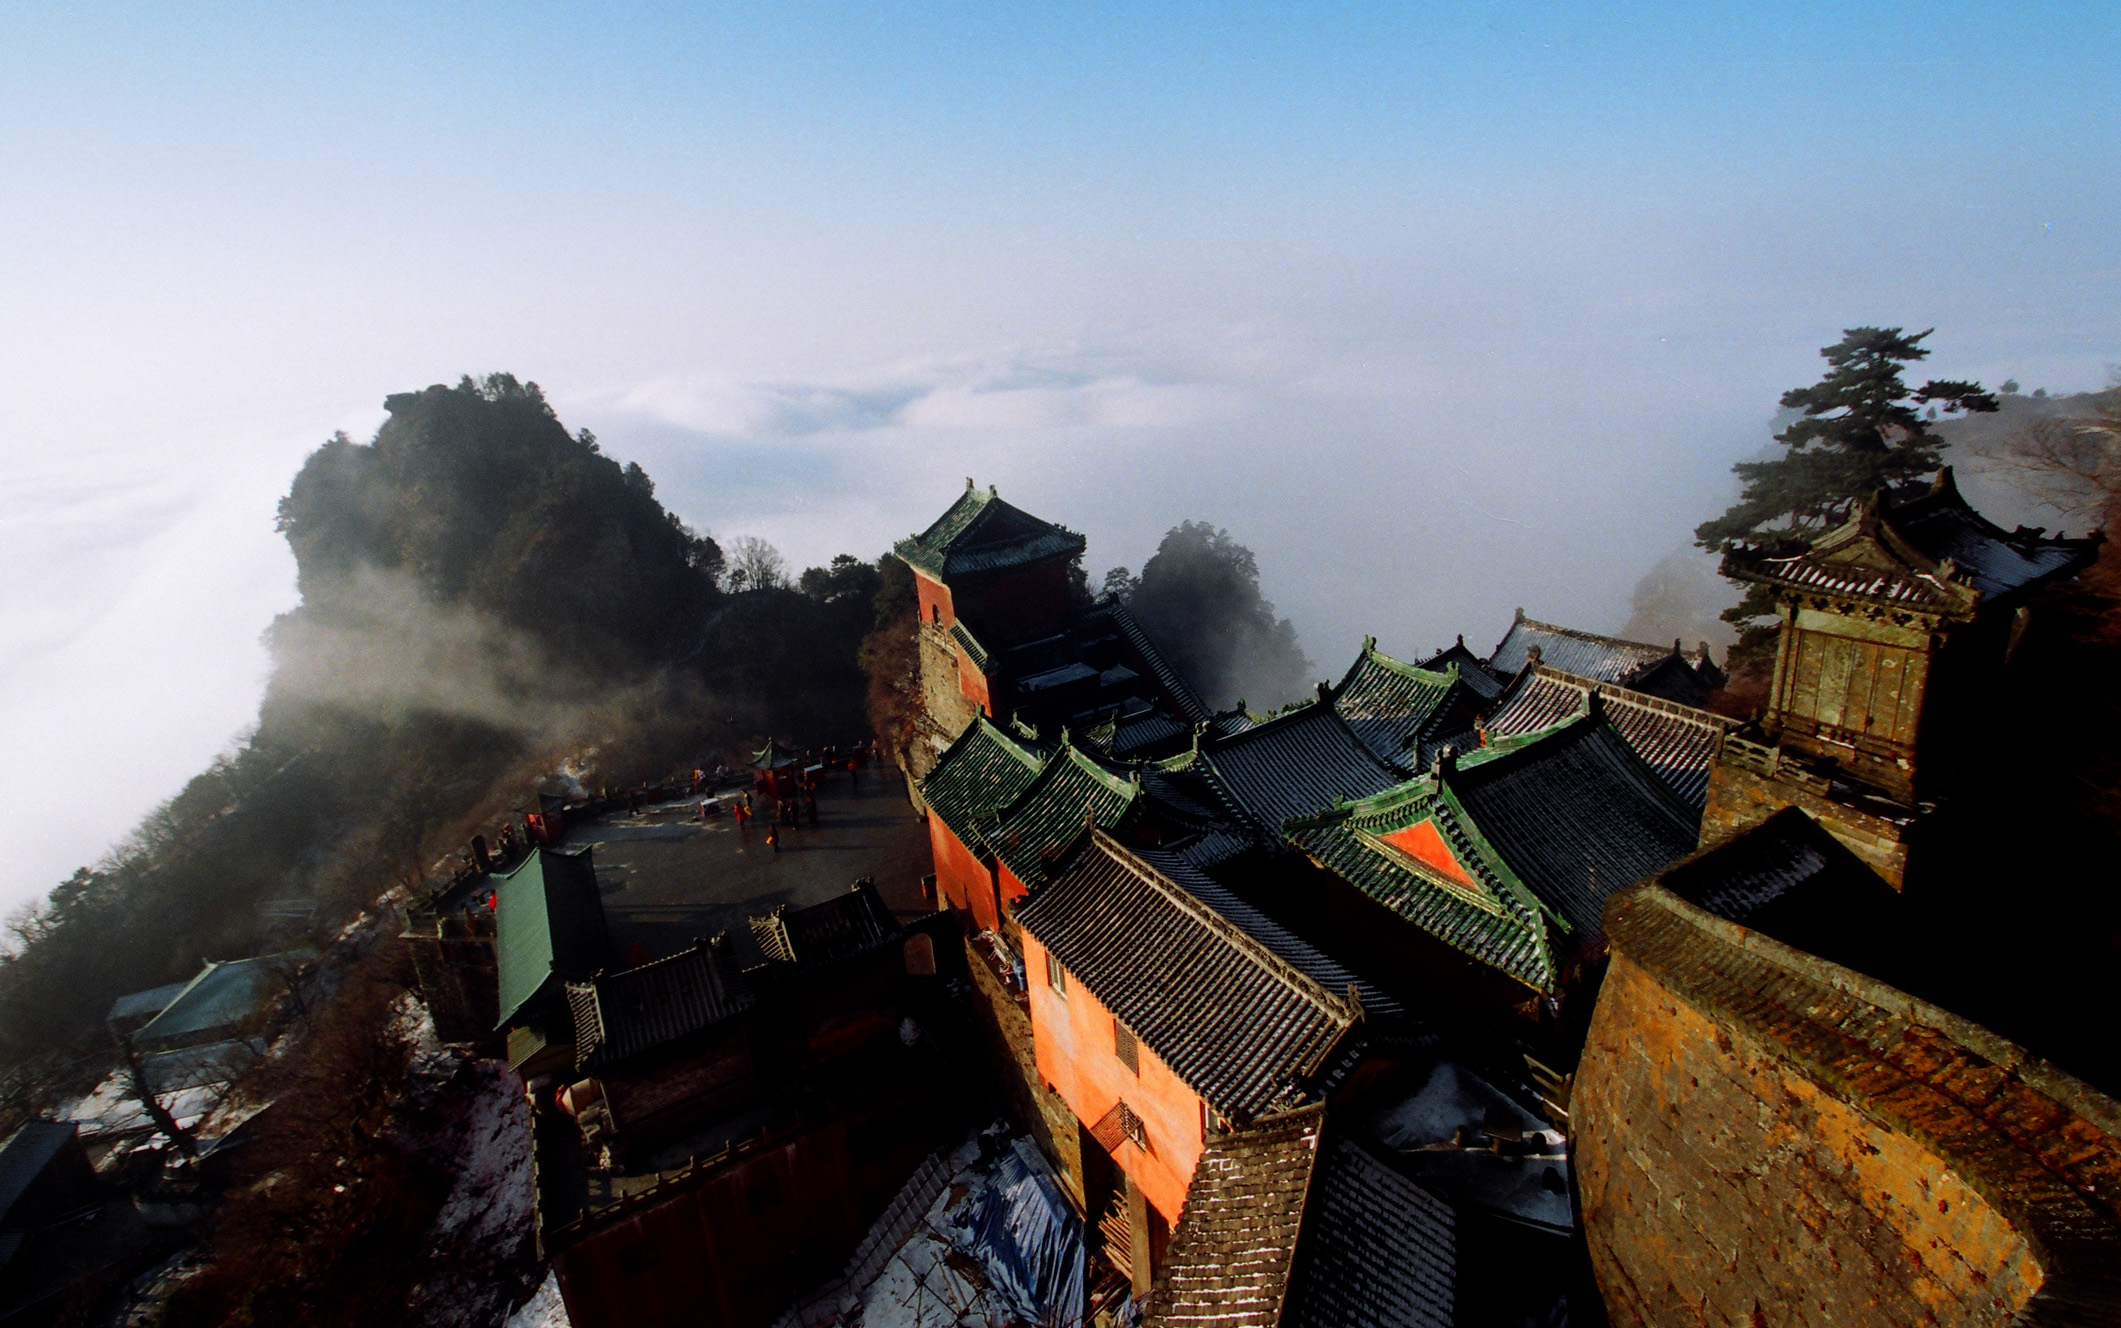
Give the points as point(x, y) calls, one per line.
point(1029, 1240)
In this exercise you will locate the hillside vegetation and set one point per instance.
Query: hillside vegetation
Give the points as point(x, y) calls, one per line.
point(482, 595)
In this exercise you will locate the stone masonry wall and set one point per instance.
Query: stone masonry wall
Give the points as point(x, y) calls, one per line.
point(1739, 799)
point(1766, 1138)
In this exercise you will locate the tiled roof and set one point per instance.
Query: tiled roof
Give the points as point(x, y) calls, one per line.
point(1180, 868)
point(1577, 816)
point(1174, 685)
point(1994, 561)
point(979, 774)
point(551, 920)
point(840, 928)
point(981, 533)
point(1074, 790)
point(1930, 554)
point(1232, 1254)
point(773, 756)
point(1386, 701)
point(1288, 1225)
point(1234, 1021)
point(1296, 764)
point(969, 643)
point(1522, 834)
point(1585, 654)
point(1478, 675)
point(220, 997)
point(1677, 741)
point(144, 1004)
point(1378, 1250)
point(25, 1155)
point(618, 1015)
point(1146, 731)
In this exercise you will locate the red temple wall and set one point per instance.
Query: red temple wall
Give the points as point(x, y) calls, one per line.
point(1072, 1040)
point(936, 604)
point(963, 881)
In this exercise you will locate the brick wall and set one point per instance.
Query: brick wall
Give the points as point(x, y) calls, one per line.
point(1766, 1138)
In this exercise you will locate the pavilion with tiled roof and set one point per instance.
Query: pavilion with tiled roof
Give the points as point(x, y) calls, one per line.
point(1675, 673)
point(636, 1010)
point(1508, 855)
point(842, 927)
point(1679, 742)
point(1403, 711)
point(982, 534)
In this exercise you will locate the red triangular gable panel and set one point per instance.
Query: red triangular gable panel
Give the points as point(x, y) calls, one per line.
point(1424, 843)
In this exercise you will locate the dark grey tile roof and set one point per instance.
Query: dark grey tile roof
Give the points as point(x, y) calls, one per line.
point(1378, 1250)
point(1296, 764)
point(839, 928)
point(25, 1155)
point(1997, 562)
point(1234, 1248)
point(1478, 675)
point(1181, 869)
point(622, 1014)
point(1233, 1020)
point(1176, 689)
point(1677, 741)
point(1578, 816)
point(1288, 1225)
point(1585, 654)
point(1147, 731)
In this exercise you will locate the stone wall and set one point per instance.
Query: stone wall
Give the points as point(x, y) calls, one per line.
point(1005, 1024)
point(1766, 1138)
point(1739, 799)
point(944, 706)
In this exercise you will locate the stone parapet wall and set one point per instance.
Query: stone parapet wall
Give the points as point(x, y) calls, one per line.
point(1740, 798)
point(1006, 1025)
point(1767, 1138)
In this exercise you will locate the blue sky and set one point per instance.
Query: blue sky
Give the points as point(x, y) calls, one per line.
point(1444, 309)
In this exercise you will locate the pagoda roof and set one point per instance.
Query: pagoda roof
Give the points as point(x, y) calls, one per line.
point(1295, 764)
point(617, 1015)
point(838, 928)
point(1677, 741)
point(1292, 1223)
point(1924, 553)
point(1072, 791)
point(979, 773)
point(1238, 1024)
point(1510, 854)
point(773, 756)
point(1393, 705)
point(981, 533)
point(1589, 655)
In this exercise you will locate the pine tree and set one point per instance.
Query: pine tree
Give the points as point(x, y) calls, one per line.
point(1861, 430)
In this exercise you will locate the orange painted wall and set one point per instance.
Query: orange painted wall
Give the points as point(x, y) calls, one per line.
point(973, 684)
point(936, 604)
point(960, 877)
point(1071, 1037)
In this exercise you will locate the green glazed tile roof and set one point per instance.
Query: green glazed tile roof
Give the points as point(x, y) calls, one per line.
point(1073, 790)
point(550, 922)
point(1392, 705)
point(220, 997)
point(981, 533)
point(1547, 826)
point(979, 774)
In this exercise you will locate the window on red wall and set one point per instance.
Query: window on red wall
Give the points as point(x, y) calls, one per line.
point(1123, 1047)
point(935, 613)
point(1056, 976)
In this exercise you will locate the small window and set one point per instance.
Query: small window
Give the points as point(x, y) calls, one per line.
point(1132, 1126)
point(1204, 1122)
point(935, 613)
point(1056, 976)
point(1123, 1047)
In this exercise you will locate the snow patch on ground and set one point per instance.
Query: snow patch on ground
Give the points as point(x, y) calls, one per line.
point(480, 1233)
point(543, 1310)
